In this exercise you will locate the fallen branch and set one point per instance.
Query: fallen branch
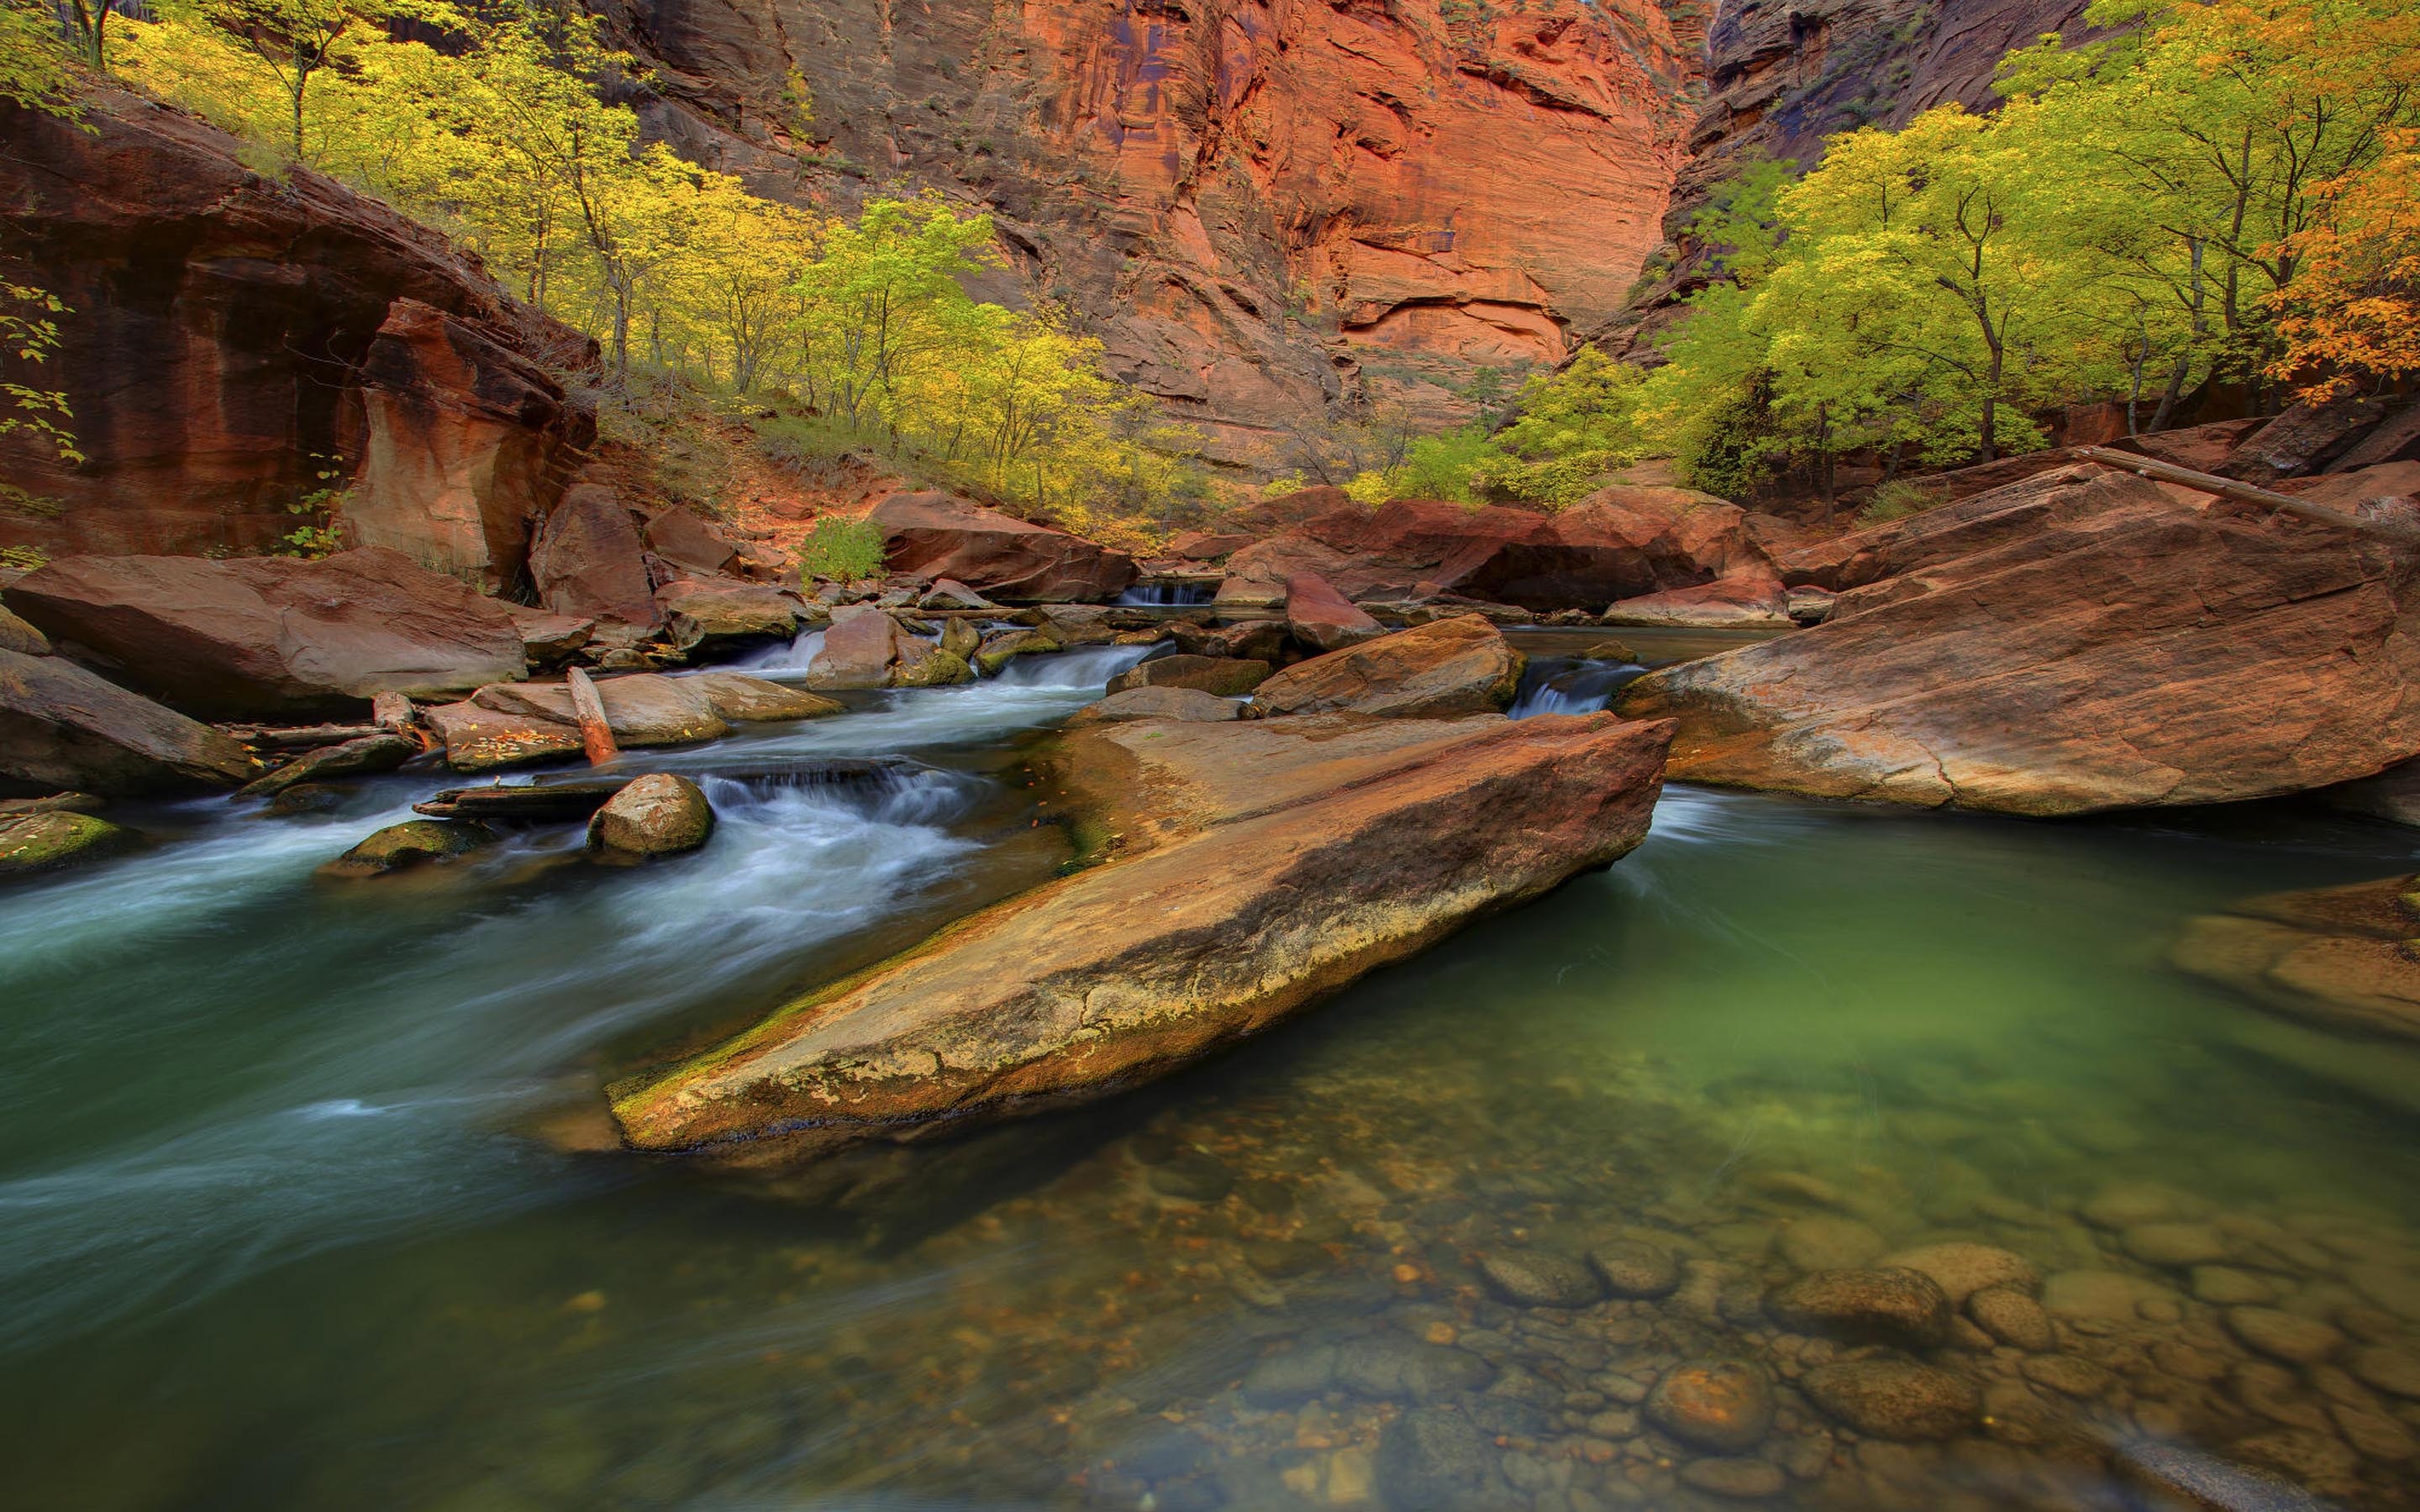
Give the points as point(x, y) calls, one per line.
point(2244, 493)
point(274, 737)
point(596, 736)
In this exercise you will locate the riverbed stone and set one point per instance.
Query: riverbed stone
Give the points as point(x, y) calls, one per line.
point(1724, 1406)
point(1221, 677)
point(658, 814)
point(2011, 1317)
point(1193, 1176)
point(2123, 1205)
point(2318, 1460)
point(1184, 704)
point(307, 797)
point(2066, 1374)
point(411, 843)
point(1636, 1268)
point(1894, 1398)
point(1962, 1268)
point(1389, 1367)
point(2389, 1368)
point(1744, 1480)
point(41, 841)
point(382, 752)
point(1826, 1241)
point(2175, 1245)
point(1539, 1278)
point(1435, 1461)
point(2111, 1295)
point(1290, 1377)
point(2225, 1286)
point(745, 699)
point(1881, 1306)
point(2285, 1335)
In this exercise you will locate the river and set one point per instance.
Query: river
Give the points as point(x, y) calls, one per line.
point(293, 1211)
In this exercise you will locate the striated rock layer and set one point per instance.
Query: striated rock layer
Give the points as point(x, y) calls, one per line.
point(1257, 202)
point(1257, 866)
point(2157, 649)
point(228, 333)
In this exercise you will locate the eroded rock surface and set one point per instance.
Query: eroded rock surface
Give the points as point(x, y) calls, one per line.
point(1287, 858)
point(63, 726)
point(941, 536)
point(1435, 671)
point(2151, 652)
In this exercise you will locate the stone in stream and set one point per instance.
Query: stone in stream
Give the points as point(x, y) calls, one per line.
point(1290, 1377)
point(2393, 1370)
point(1184, 704)
point(1284, 858)
point(1874, 1305)
point(38, 842)
point(1744, 1480)
point(382, 752)
point(1435, 1461)
point(1193, 1176)
point(2162, 649)
point(1633, 1268)
point(63, 727)
point(1390, 1368)
point(1323, 619)
point(1827, 1243)
point(2175, 1245)
point(411, 843)
point(948, 592)
point(1226, 676)
point(1961, 1268)
point(307, 797)
point(724, 612)
point(658, 814)
point(506, 724)
point(2334, 957)
point(859, 650)
point(1539, 1278)
point(1459, 666)
point(1894, 1398)
point(2285, 1335)
point(1758, 603)
point(2011, 1317)
point(1723, 1406)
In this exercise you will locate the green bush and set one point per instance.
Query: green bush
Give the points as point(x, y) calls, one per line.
point(1897, 499)
point(847, 550)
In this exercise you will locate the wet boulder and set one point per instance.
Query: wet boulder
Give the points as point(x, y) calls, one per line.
point(1894, 1398)
point(63, 727)
point(479, 739)
point(2156, 650)
point(1441, 669)
point(382, 752)
point(658, 814)
point(1724, 1406)
point(939, 536)
point(1539, 1278)
point(859, 651)
point(276, 637)
point(1182, 705)
point(745, 699)
point(412, 843)
point(1286, 859)
point(1224, 676)
point(2340, 958)
point(642, 708)
point(41, 841)
point(1875, 1304)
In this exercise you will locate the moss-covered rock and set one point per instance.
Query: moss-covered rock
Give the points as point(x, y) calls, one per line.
point(38, 841)
point(413, 842)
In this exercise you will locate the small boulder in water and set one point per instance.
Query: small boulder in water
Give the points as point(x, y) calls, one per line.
point(1725, 1405)
point(948, 592)
point(1185, 704)
point(1879, 1306)
point(413, 842)
point(1894, 1398)
point(382, 752)
point(38, 841)
point(658, 814)
point(307, 797)
point(1225, 676)
point(1537, 1278)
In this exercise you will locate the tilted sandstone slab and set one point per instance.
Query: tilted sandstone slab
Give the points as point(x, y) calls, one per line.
point(2013, 512)
point(1254, 869)
point(2154, 652)
point(62, 727)
point(1445, 668)
point(275, 636)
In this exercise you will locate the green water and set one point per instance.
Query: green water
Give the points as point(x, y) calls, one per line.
point(274, 1233)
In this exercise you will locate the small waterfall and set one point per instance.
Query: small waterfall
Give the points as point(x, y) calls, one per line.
point(1565, 684)
point(776, 661)
point(1072, 671)
point(1168, 596)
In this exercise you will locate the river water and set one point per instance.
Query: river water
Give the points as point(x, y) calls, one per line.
point(288, 1219)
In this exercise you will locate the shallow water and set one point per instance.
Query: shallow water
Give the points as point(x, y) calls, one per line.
point(274, 1233)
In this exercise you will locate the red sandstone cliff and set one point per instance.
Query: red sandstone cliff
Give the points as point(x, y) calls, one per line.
point(226, 330)
point(1262, 206)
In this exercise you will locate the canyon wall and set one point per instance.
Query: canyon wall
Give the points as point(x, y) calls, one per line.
point(1261, 207)
point(229, 331)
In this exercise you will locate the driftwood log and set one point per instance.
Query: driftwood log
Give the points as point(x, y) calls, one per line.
point(2244, 493)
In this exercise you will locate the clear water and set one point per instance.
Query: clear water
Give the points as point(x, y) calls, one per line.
point(1168, 596)
point(278, 1229)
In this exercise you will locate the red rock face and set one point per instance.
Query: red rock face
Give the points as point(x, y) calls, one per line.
point(226, 332)
point(1260, 204)
point(941, 536)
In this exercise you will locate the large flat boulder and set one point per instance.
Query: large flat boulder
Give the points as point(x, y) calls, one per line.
point(274, 636)
point(935, 535)
point(2155, 652)
point(1281, 861)
point(509, 724)
point(65, 728)
point(724, 613)
point(1725, 604)
point(1440, 670)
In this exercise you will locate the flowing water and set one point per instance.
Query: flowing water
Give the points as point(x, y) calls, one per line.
point(280, 1228)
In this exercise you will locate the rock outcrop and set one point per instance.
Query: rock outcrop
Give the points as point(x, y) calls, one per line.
point(2340, 958)
point(2158, 651)
point(940, 535)
point(2013, 512)
point(1435, 671)
point(274, 636)
point(588, 561)
point(228, 333)
point(1285, 859)
point(64, 728)
point(1248, 202)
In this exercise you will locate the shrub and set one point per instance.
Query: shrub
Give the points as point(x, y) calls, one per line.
point(844, 550)
point(1897, 499)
